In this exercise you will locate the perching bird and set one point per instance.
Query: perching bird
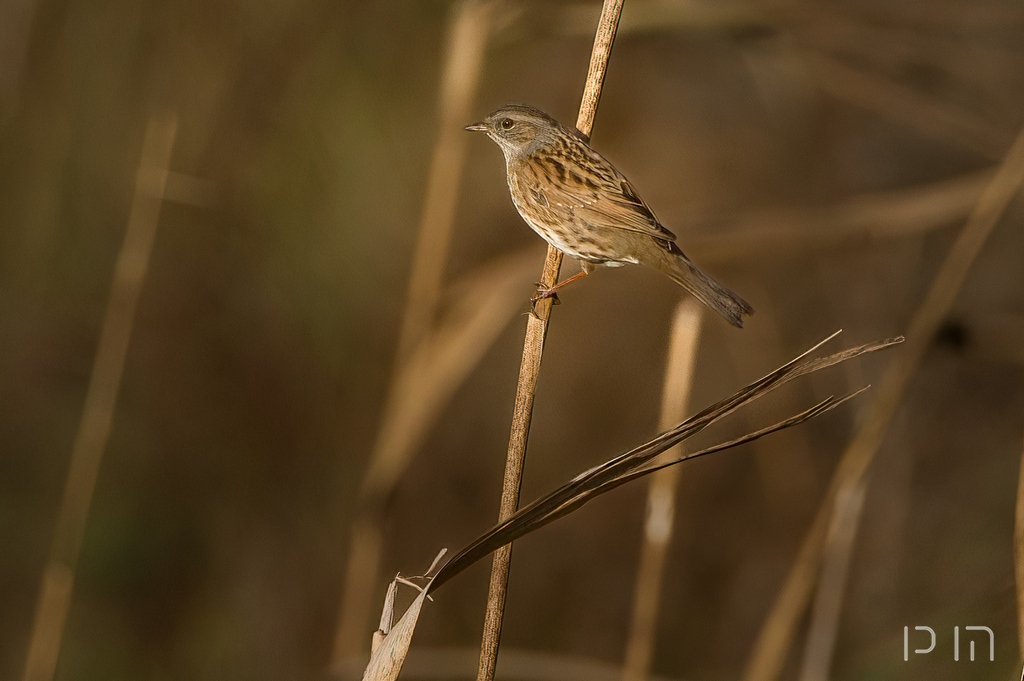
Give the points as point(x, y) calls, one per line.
point(580, 204)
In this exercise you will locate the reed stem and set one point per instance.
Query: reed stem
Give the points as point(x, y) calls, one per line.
point(398, 438)
point(54, 599)
point(529, 368)
point(661, 495)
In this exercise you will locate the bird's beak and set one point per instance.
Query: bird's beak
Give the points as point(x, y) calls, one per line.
point(479, 126)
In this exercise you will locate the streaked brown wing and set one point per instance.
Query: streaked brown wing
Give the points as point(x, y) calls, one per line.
point(593, 191)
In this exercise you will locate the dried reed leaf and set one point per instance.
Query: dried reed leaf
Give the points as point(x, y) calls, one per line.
point(387, 616)
point(389, 655)
point(640, 461)
point(391, 641)
point(828, 404)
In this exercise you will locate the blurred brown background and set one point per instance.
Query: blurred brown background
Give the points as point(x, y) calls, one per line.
point(266, 331)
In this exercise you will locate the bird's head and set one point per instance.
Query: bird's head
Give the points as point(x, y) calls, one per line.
point(518, 129)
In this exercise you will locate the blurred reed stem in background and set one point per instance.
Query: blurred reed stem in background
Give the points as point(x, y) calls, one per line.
point(776, 636)
point(661, 494)
point(418, 391)
point(1018, 558)
point(813, 33)
point(828, 601)
point(58, 579)
point(533, 351)
point(861, 219)
point(467, 43)
point(935, 118)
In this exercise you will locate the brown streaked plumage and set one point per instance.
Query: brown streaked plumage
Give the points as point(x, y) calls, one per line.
point(580, 204)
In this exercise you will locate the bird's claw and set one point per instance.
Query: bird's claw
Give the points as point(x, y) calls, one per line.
point(544, 292)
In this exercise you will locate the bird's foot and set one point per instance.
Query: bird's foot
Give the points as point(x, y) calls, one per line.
point(545, 292)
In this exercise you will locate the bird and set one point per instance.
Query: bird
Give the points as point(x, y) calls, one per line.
point(576, 200)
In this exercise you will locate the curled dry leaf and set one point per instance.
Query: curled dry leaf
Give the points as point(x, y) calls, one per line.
point(390, 652)
point(387, 616)
point(391, 641)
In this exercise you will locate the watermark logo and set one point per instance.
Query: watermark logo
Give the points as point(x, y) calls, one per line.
point(956, 643)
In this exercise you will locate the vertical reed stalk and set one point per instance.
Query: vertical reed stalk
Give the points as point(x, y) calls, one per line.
point(533, 350)
point(828, 601)
point(776, 637)
point(661, 494)
point(58, 581)
point(467, 42)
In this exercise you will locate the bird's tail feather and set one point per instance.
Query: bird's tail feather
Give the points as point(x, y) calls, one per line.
point(704, 288)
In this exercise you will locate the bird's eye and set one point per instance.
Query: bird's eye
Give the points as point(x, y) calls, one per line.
point(507, 123)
